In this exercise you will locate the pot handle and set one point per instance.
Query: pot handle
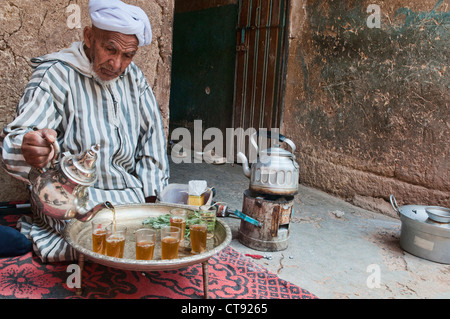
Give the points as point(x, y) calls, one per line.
point(281, 138)
point(56, 152)
point(394, 204)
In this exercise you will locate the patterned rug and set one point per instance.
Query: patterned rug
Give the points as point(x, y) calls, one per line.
point(231, 276)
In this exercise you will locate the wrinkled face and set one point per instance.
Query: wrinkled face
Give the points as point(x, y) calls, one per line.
point(109, 52)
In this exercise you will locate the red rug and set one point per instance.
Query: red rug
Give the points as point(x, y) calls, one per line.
point(231, 276)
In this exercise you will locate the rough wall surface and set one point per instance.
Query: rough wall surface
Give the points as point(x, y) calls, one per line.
point(33, 28)
point(368, 105)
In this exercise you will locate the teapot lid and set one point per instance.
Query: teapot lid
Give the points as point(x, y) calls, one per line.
point(81, 169)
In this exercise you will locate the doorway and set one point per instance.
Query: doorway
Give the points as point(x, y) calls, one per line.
point(228, 65)
point(202, 67)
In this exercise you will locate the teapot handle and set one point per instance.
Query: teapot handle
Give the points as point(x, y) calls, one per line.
point(56, 152)
point(268, 134)
point(281, 138)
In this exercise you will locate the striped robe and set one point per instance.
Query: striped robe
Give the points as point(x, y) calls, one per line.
point(122, 116)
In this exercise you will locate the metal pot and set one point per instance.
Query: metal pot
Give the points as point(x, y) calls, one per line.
point(275, 172)
point(421, 235)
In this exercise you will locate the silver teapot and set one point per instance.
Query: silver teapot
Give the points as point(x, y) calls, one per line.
point(275, 172)
point(60, 191)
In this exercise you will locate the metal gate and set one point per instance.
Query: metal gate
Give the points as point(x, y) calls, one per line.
point(260, 61)
point(260, 46)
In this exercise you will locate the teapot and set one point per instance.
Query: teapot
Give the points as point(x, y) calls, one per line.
point(275, 172)
point(60, 191)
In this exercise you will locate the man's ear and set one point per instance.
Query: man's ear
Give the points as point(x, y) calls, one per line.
point(88, 34)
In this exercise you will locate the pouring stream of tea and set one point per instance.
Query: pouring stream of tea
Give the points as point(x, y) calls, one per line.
point(111, 207)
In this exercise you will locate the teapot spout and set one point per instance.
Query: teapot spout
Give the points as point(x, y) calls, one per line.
point(245, 166)
point(85, 216)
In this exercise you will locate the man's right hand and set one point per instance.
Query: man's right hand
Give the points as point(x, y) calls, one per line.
point(37, 147)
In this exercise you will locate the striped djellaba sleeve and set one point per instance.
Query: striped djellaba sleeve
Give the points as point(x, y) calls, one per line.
point(46, 97)
point(122, 116)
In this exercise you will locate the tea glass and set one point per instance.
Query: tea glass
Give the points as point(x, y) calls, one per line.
point(178, 217)
point(170, 241)
point(198, 232)
point(208, 214)
point(145, 243)
point(99, 235)
point(115, 240)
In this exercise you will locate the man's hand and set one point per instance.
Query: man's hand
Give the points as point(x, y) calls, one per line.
point(37, 147)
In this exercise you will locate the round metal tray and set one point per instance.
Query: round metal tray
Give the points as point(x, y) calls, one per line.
point(78, 235)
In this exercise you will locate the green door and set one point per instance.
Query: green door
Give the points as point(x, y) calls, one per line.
point(203, 65)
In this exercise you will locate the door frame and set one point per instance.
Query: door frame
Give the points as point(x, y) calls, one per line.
point(251, 110)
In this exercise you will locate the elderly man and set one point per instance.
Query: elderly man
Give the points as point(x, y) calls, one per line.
point(91, 93)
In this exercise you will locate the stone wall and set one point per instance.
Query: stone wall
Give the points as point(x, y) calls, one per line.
point(33, 28)
point(368, 104)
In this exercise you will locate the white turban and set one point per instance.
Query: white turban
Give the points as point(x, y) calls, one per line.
point(114, 15)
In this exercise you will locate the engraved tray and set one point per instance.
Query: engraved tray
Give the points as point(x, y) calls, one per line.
point(78, 235)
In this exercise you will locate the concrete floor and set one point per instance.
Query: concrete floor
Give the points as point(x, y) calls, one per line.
point(333, 256)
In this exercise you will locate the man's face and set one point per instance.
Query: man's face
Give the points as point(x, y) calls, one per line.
point(109, 52)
